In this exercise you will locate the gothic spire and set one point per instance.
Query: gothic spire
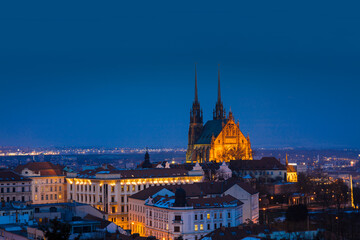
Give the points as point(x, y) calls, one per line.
point(219, 92)
point(196, 112)
point(219, 112)
point(196, 91)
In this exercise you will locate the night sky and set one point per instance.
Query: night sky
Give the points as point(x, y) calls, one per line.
point(121, 73)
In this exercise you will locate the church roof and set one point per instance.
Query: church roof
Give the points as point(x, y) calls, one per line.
point(212, 127)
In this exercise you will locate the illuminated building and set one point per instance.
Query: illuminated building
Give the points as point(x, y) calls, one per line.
point(14, 187)
point(219, 139)
point(107, 188)
point(291, 173)
point(48, 182)
point(202, 199)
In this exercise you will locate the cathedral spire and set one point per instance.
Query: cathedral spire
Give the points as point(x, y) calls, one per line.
point(219, 112)
point(196, 90)
point(196, 112)
point(219, 91)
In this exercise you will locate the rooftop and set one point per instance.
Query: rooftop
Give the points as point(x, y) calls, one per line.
point(196, 189)
point(7, 175)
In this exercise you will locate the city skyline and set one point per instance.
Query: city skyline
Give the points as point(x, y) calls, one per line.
point(99, 76)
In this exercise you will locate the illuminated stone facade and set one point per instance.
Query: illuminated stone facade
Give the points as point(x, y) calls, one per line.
point(219, 139)
point(48, 182)
point(108, 189)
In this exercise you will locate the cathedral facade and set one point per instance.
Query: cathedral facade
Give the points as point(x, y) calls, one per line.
point(219, 139)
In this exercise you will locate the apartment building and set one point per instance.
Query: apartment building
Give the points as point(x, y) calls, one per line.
point(48, 183)
point(108, 189)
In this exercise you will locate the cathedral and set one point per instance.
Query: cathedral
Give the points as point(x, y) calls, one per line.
point(219, 139)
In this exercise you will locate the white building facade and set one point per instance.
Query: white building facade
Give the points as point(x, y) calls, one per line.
point(160, 217)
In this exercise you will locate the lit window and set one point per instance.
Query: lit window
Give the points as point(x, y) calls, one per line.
point(208, 216)
point(201, 227)
point(196, 228)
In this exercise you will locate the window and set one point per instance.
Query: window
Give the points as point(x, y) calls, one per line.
point(214, 215)
point(229, 215)
point(100, 188)
point(112, 188)
point(47, 197)
point(23, 189)
point(229, 225)
point(201, 227)
point(122, 199)
point(208, 227)
point(195, 216)
point(14, 190)
point(128, 188)
point(112, 199)
point(176, 229)
point(122, 188)
point(59, 188)
point(177, 217)
point(196, 227)
point(215, 227)
point(55, 196)
point(113, 210)
point(208, 216)
point(133, 188)
point(201, 217)
point(220, 215)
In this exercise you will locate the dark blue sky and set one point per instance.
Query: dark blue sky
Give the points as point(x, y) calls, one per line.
point(121, 73)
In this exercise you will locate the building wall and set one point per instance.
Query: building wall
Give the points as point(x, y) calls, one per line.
point(111, 195)
point(49, 189)
point(269, 174)
point(161, 223)
point(230, 144)
point(5, 235)
point(15, 191)
point(251, 202)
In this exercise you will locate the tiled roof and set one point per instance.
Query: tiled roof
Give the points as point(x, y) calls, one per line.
point(196, 189)
point(239, 232)
point(290, 168)
point(9, 175)
point(138, 173)
point(44, 168)
point(209, 202)
point(212, 127)
point(213, 202)
point(265, 163)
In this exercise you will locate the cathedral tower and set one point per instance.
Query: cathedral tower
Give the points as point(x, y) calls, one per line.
point(196, 123)
point(219, 111)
